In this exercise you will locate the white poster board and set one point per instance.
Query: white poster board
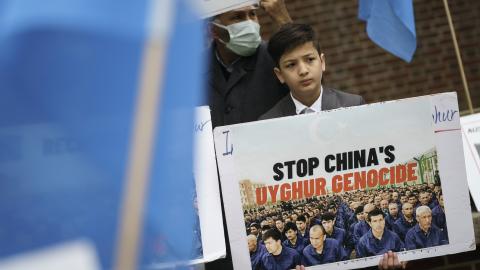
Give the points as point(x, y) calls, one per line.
point(208, 192)
point(209, 8)
point(209, 240)
point(471, 148)
point(423, 138)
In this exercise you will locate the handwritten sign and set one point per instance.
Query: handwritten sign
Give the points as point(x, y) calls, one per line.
point(209, 8)
point(208, 192)
point(471, 148)
point(316, 164)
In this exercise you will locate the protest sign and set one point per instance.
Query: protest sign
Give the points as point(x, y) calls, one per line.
point(208, 192)
point(408, 152)
point(209, 8)
point(208, 243)
point(471, 148)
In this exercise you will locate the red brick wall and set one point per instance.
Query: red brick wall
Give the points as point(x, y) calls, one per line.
point(355, 64)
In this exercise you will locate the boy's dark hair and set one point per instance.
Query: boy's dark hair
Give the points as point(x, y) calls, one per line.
point(289, 37)
point(375, 212)
point(328, 216)
point(290, 226)
point(266, 227)
point(272, 233)
point(302, 218)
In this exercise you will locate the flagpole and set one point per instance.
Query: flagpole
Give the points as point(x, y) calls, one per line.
point(459, 57)
point(142, 141)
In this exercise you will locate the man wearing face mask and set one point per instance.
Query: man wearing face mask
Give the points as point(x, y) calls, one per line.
point(241, 84)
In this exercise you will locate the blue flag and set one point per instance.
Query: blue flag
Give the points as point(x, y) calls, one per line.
point(391, 25)
point(69, 80)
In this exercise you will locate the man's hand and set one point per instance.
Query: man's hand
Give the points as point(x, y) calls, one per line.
point(300, 267)
point(390, 261)
point(277, 10)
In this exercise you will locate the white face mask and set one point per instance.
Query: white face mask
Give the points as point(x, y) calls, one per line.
point(244, 37)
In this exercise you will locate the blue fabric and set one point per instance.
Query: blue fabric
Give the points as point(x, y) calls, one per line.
point(368, 245)
point(416, 238)
point(391, 25)
point(287, 259)
point(306, 236)
point(401, 226)
point(390, 220)
point(68, 71)
point(351, 219)
point(343, 238)
point(340, 220)
point(256, 257)
point(332, 252)
point(438, 217)
point(352, 227)
point(299, 245)
point(433, 204)
point(169, 210)
point(339, 235)
point(69, 74)
point(360, 229)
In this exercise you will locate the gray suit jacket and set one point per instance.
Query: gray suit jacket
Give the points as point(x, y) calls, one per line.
point(331, 99)
point(249, 92)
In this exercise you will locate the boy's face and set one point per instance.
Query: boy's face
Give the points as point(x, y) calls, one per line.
point(301, 69)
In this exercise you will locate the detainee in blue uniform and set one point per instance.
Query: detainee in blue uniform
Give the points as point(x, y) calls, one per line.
point(277, 256)
point(322, 250)
point(358, 217)
point(424, 234)
point(362, 227)
point(294, 238)
point(438, 216)
point(301, 223)
point(339, 222)
point(392, 216)
point(256, 251)
point(405, 222)
point(328, 221)
point(378, 240)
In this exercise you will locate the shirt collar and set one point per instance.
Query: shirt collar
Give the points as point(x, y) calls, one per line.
point(316, 106)
point(229, 68)
point(419, 230)
point(372, 237)
point(312, 251)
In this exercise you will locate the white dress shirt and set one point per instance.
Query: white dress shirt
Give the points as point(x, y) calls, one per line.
point(316, 106)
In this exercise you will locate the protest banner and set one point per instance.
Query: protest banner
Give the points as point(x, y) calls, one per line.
point(471, 148)
point(208, 192)
point(208, 243)
point(302, 165)
point(209, 8)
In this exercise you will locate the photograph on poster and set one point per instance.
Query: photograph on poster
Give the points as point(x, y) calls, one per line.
point(326, 188)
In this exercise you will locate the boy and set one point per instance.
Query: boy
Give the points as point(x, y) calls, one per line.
point(300, 65)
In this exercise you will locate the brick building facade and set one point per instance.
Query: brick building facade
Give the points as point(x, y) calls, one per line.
point(357, 65)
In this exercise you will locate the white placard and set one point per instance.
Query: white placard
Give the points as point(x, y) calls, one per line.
point(209, 8)
point(209, 228)
point(75, 255)
point(471, 148)
point(423, 134)
point(208, 192)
